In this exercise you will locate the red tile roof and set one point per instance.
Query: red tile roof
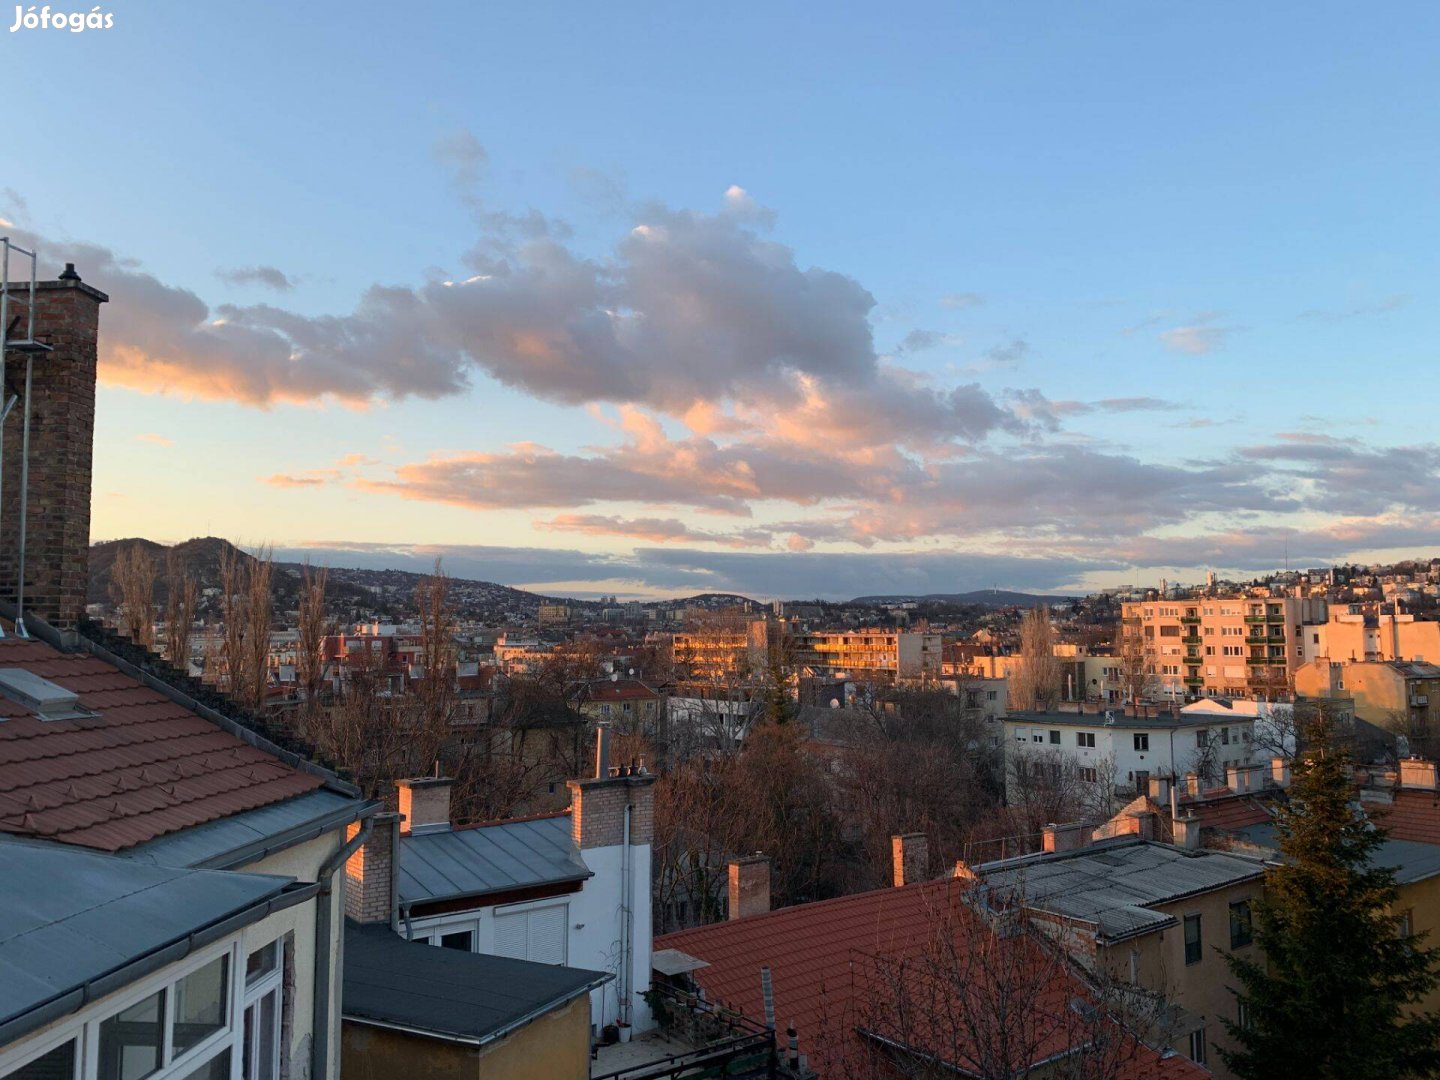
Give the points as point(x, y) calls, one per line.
point(814, 952)
point(1414, 815)
point(622, 690)
point(1229, 811)
point(144, 767)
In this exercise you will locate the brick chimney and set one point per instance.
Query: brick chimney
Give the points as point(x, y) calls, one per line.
point(1416, 773)
point(370, 879)
point(749, 886)
point(597, 809)
point(1066, 837)
point(1160, 789)
point(1186, 831)
point(910, 858)
point(425, 804)
point(62, 437)
point(1280, 772)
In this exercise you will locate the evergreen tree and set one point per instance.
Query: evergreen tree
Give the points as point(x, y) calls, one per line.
point(1335, 994)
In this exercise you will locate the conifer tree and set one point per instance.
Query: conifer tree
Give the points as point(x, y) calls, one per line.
point(1335, 994)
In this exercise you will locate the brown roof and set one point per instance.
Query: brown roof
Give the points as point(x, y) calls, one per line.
point(816, 953)
point(1414, 815)
point(143, 767)
point(620, 690)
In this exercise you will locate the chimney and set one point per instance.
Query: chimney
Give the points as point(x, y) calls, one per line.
point(1280, 772)
point(1142, 823)
point(425, 804)
point(1160, 789)
point(749, 886)
point(1415, 773)
point(370, 879)
point(597, 809)
point(1192, 785)
point(62, 436)
point(910, 858)
point(602, 751)
point(1070, 837)
point(1243, 779)
point(1187, 832)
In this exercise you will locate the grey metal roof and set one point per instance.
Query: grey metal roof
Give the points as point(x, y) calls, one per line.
point(1119, 719)
point(247, 836)
point(1411, 860)
point(448, 993)
point(1116, 884)
point(75, 924)
point(489, 859)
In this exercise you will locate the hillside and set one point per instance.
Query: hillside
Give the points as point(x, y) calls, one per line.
point(994, 598)
point(353, 593)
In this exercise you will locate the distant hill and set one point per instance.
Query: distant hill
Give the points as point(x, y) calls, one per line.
point(352, 592)
point(980, 597)
point(714, 601)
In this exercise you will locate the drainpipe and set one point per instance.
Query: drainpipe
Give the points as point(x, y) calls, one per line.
point(627, 916)
point(320, 1020)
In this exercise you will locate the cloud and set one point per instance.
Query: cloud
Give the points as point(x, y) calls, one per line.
point(1008, 356)
point(158, 440)
point(655, 530)
point(313, 478)
point(960, 301)
point(268, 276)
point(1383, 306)
point(1202, 335)
point(919, 340)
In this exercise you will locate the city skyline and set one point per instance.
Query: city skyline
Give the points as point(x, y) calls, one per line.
point(1118, 300)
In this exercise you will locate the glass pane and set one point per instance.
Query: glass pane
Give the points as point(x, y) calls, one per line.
point(58, 1064)
point(130, 1041)
point(200, 1004)
point(261, 962)
point(458, 940)
point(217, 1068)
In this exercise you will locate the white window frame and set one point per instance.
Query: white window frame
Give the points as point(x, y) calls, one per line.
point(84, 1026)
point(272, 982)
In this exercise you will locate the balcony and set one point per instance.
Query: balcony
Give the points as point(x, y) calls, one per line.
point(1275, 616)
point(1255, 618)
point(1189, 620)
point(1192, 640)
point(1194, 680)
point(1193, 659)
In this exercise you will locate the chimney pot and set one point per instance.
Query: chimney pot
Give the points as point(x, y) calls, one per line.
point(69, 274)
point(1069, 837)
point(910, 858)
point(425, 803)
point(749, 886)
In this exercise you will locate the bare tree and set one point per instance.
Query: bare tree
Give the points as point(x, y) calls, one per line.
point(1035, 683)
point(313, 626)
point(1137, 679)
point(132, 583)
point(245, 608)
point(180, 601)
point(987, 992)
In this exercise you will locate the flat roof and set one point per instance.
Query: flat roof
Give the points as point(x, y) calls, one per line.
point(77, 924)
point(1411, 860)
point(1115, 884)
point(1097, 721)
point(446, 993)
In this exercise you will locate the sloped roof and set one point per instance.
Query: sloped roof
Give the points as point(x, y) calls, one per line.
point(1116, 883)
point(484, 859)
point(144, 766)
point(818, 951)
point(617, 690)
point(1414, 815)
point(471, 997)
point(70, 918)
point(1227, 810)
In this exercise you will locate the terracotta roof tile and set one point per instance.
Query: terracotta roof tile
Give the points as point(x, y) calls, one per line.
point(144, 767)
point(1414, 815)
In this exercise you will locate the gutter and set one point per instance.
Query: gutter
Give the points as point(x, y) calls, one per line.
point(490, 1036)
point(113, 980)
point(320, 1025)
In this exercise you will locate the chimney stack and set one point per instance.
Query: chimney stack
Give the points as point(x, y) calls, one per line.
point(1070, 837)
point(1280, 772)
point(62, 438)
point(1416, 773)
point(597, 809)
point(425, 804)
point(910, 858)
point(602, 751)
point(1160, 789)
point(1187, 832)
point(1192, 785)
point(749, 886)
point(371, 884)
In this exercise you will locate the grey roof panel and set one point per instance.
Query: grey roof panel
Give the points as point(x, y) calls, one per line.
point(216, 843)
point(69, 916)
point(469, 996)
point(1115, 884)
point(489, 859)
point(1412, 861)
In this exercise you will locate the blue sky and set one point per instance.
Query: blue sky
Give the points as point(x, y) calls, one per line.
point(932, 296)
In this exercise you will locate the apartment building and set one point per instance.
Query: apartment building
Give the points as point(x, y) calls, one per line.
point(1355, 633)
point(1122, 749)
point(1221, 647)
point(1401, 696)
point(866, 655)
point(720, 648)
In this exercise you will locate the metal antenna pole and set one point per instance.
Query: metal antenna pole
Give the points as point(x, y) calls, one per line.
point(20, 630)
point(4, 338)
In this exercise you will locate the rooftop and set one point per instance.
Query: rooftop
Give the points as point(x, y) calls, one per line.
point(1116, 884)
point(462, 996)
point(486, 859)
point(1159, 719)
point(76, 924)
point(142, 766)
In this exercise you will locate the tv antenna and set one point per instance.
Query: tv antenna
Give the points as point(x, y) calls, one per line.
point(29, 348)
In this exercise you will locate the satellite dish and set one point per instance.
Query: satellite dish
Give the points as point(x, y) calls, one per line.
point(834, 703)
point(615, 677)
point(632, 671)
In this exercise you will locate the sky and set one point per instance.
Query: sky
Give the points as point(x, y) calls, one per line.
point(781, 299)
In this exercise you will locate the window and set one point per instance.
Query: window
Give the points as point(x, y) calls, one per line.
point(992, 695)
point(1202, 739)
point(1242, 1012)
point(1405, 924)
point(131, 1041)
point(57, 1064)
point(1089, 775)
point(260, 1045)
point(1037, 736)
point(1085, 738)
point(1192, 939)
point(1142, 740)
point(1241, 932)
point(1055, 738)
point(538, 934)
point(201, 1004)
point(463, 940)
point(1197, 1046)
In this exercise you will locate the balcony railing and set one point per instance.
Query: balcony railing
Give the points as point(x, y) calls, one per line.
point(1190, 620)
point(1255, 618)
